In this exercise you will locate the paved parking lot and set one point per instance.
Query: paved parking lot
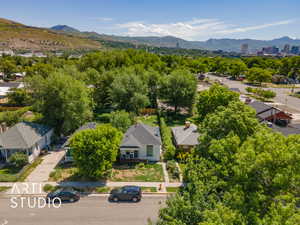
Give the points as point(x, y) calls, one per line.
point(88, 211)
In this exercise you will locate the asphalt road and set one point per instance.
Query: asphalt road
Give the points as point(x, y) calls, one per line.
point(88, 211)
point(282, 94)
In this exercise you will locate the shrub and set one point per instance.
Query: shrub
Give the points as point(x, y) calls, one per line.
point(173, 169)
point(18, 159)
point(261, 92)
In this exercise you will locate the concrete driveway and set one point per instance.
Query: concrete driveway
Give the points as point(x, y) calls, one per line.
point(42, 172)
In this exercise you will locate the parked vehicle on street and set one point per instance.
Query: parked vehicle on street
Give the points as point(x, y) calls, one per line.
point(126, 193)
point(64, 195)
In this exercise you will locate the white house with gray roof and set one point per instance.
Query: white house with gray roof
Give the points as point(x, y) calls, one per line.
point(29, 138)
point(141, 142)
point(186, 136)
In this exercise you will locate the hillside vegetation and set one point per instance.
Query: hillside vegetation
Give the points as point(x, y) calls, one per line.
point(17, 36)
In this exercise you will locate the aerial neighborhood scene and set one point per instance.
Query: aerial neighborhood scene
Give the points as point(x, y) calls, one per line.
point(150, 112)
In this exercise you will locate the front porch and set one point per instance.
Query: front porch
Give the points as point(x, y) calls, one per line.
point(129, 153)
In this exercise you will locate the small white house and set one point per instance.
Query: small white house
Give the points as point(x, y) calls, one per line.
point(141, 142)
point(6, 87)
point(29, 138)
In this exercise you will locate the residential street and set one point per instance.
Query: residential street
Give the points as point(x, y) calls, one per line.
point(88, 211)
point(282, 95)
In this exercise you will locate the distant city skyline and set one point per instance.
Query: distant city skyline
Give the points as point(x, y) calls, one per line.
point(190, 19)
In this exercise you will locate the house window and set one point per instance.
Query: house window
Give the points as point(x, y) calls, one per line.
point(149, 150)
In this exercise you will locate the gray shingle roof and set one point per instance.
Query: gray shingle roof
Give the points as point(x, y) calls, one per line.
point(186, 136)
point(23, 135)
point(260, 107)
point(141, 134)
point(10, 84)
point(286, 130)
point(89, 125)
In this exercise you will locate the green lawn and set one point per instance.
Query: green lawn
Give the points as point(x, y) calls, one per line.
point(2, 189)
point(172, 189)
point(138, 172)
point(65, 172)
point(149, 189)
point(12, 174)
point(101, 190)
point(148, 120)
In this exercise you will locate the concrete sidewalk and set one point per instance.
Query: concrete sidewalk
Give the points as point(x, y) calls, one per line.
point(42, 172)
point(36, 188)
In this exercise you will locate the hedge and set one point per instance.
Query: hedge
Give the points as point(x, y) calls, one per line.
point(168, 147)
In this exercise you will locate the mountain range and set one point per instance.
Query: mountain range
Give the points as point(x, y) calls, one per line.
point(225, 44)
point(16, 36)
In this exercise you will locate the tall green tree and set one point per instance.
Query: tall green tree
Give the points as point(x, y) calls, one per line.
point(258, 75)
point(129, 92)
point(95, 150)
point(217, 95)
point(121, 120)
point(64, 102)
point(179, 89)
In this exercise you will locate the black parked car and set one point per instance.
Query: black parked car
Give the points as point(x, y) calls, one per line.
point(126, 193)
point(64, 195)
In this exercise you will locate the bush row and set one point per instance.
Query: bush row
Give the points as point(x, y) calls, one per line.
point(168, 147)
point(261, 92)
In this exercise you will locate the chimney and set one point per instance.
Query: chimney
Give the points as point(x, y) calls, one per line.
point(187, 124)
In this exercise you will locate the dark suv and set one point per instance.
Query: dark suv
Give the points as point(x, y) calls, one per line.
point(66, 194)
point(126, 193)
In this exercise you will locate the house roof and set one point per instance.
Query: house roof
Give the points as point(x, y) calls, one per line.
point(260, 107)
point(291, 129)
point(90, 125)
point(11, 84)
point(86, 126)
point(23, 135)
point(264, 111)
point(141, 134)
point(186, 136)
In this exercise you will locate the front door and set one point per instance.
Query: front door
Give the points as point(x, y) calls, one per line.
point(136, 154)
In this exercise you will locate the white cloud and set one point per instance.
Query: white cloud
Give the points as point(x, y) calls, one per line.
point(258, 27)
point(102, 19)
point(195, 29)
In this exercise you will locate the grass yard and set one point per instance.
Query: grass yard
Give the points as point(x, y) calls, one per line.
point(148, 120)
point(172, 189)
point(138, 172)
point(149, 189)
point(2, 189)
point(65, 172)
point(12, 174)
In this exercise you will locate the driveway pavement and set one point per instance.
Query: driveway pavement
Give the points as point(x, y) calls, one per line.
point(282, 94)
point(41, 173)
point(88, 211)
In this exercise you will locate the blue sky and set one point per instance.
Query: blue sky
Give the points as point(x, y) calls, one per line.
point(188, 19)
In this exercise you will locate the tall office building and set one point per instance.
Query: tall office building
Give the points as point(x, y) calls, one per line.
point(244, 49)
point(286, 48)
